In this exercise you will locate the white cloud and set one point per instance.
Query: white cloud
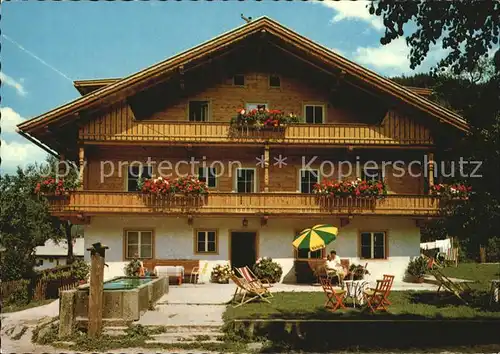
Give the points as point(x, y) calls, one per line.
point(10, 119)
point(19, 154)
point(352, 10)
point(16, 153)
point(9, 81)
point(393, 56)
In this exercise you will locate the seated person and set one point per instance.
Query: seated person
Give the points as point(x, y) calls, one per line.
point(333, 265)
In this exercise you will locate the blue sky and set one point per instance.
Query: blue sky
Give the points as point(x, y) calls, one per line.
point(46, 45)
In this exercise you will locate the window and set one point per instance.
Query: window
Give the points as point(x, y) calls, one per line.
point(372, 174)
point(250, 106)
point(239, 80)
point(308, 178)
point(208, 175)
point(245, 180)
point(40, 262)
point(139, 244)
point(198, 111)
point(373, 245)
point(274, 81)
point(206, 241)
point(307, 253)
point(136, 172)
point(314, 114)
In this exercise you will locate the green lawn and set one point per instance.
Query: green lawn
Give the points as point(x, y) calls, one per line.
point(405, 304)
point(482, 273)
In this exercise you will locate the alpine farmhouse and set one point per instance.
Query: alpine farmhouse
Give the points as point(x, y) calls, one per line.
point(260, 178)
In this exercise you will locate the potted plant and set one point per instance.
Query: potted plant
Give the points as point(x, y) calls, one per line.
point(417, 268)
point(266, 268)
point(358, 271)
point(133, 268)
point(220, 274)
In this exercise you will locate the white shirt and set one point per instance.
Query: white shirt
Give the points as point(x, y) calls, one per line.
point(334, 263)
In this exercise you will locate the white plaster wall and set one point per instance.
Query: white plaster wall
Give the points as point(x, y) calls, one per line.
point(49, 262)
point(174, 239)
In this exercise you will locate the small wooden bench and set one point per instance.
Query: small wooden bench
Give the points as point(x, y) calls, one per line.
point(188, 264)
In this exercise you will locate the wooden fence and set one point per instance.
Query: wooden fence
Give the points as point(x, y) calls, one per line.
point(40, 287)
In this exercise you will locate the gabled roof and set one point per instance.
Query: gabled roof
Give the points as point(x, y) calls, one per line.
point(132, 83)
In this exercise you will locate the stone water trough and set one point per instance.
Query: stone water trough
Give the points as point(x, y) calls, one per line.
point(125, 299)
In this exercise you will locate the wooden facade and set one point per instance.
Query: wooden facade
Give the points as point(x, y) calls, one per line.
point(233, 204)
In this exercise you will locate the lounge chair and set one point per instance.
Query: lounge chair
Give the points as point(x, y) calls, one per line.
point(376, 298)
point(252, 279)
point(334, 297)
point(444, 282)
point(247, 292)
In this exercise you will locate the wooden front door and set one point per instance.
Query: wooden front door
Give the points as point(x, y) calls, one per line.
point(243, 249)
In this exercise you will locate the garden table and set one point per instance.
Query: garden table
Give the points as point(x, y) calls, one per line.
point(355, 290)
point(170, 271)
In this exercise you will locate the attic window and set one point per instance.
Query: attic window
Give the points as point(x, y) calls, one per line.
point(239, 80)
point(274, 81)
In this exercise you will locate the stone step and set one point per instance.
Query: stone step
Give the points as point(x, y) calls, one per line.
point(187, 337)
point(191, 329)
point(115, 331)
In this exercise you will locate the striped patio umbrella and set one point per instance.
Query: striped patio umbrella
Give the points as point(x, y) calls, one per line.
point(316, 237)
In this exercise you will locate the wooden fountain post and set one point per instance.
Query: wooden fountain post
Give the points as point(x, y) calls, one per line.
point(97, 253)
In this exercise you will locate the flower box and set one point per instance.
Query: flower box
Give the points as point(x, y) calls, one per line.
point(189, 186)
point(263, 119)
point(54, 188)
point(455, 191)
point(351, 189)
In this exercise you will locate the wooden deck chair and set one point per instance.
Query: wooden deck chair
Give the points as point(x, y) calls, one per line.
point(252, 279)
point(334, 297)
point(376, 298)
point(391, 279)
point(247, 292)
point(445, 282)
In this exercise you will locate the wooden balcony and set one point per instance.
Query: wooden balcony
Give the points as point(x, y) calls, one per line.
point(297, 134)
point(294, 204)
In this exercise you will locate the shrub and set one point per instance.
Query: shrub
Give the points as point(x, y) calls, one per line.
point(220, 273)
point(493, 250)
point(265, 268)
point(417, 267)
point(80, 270)
point(19, 295)
point(132, 269)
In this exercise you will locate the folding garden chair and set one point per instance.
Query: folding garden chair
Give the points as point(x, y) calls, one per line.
point(248, 293)
point(389, 278)
point(334, 297)
point(252, 279)
point(445, 282)
point(376, 298)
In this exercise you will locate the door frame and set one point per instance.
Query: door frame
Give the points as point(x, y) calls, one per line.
point(230, 237)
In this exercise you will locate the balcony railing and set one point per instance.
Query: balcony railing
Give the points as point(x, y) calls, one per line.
point(103, 202)
point(297, 134)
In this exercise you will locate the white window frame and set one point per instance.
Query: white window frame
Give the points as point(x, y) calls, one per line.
point(205, 172)
point(235, 183)
point(372, 244)
point(139, 244)
point(253, 105)
point(206, 242)
point(127, 170)
point(209, 112)
point(299, 189)
point(323, 108)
